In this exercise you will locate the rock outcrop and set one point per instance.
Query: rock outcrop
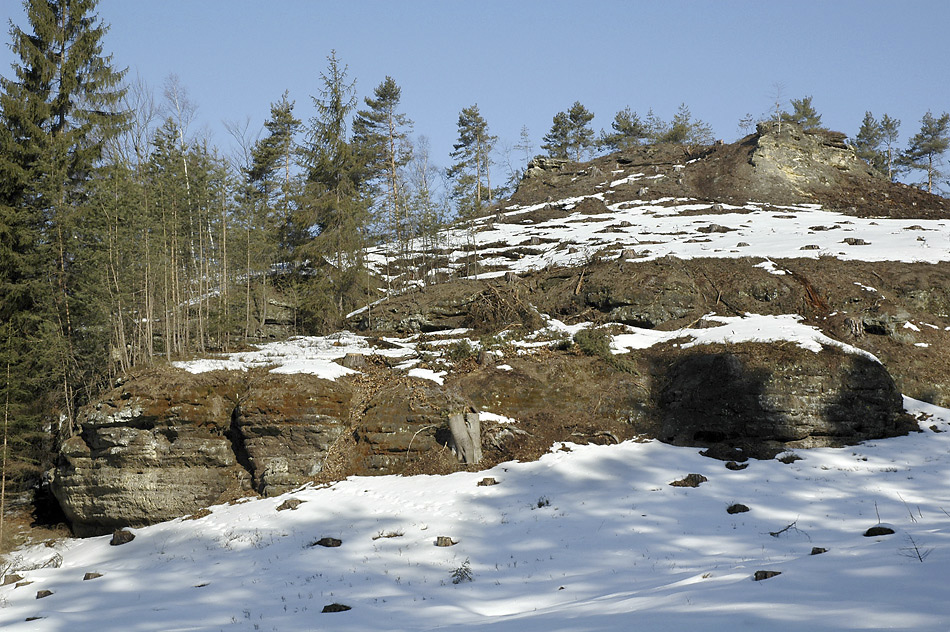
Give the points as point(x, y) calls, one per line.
point(167, 443)
point(153, 449)
point(403, 421)
point(284, 427)
point(762, 399)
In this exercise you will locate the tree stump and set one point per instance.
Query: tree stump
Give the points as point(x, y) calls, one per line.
point(467, 436)
point(354, 361)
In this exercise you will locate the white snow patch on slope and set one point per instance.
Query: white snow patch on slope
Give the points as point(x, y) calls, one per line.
point(669, 226)
point(738, 329)
point(428, 374)
point(314, 355)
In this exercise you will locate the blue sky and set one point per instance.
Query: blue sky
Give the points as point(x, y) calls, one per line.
point(522, 62)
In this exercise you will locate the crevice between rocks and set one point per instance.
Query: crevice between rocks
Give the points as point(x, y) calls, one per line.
point(238, 447)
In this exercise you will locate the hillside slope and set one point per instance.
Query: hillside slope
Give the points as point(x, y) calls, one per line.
point(722, 297)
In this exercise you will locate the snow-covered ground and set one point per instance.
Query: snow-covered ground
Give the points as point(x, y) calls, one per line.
point(587, 538)
point(680, 227)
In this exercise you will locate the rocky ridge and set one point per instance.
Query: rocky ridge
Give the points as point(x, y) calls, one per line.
point(647, 242)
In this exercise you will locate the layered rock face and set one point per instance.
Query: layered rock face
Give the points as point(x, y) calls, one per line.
point(404, 420)
point(167, 443)
point(285, 426)
point(151, 450)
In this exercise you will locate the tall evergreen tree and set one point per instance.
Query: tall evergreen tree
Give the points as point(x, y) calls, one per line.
point(471, 172)
point(875, 143)
point(627, 132)
point(571, 135)
point(928, 146)
point(867, 143)
point(58, 111)
point(382, 132)
point(272, 157)
point(266, 206)
point(332, 217)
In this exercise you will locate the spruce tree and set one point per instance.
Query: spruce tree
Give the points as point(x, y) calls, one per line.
point(332, 216)
point(471, 172)
point(382, 132)
point(58, 111)
point(266, 204)
point(927, 147)
point(867, 143)
point(271, 160)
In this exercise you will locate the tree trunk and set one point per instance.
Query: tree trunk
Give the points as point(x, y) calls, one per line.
point(466, 433)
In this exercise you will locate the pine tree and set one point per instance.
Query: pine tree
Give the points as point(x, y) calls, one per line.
point(471, 172)
point(382, 133)
point(867, 143)
point(571, 135)
point(682, 130)
point(57, 114)
point(927, 147)
point(804, 114)
point(627, 132)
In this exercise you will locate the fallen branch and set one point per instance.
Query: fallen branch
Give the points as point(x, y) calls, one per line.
point(789, 527)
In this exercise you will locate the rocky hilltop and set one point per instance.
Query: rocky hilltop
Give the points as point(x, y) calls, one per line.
point(749, 299)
